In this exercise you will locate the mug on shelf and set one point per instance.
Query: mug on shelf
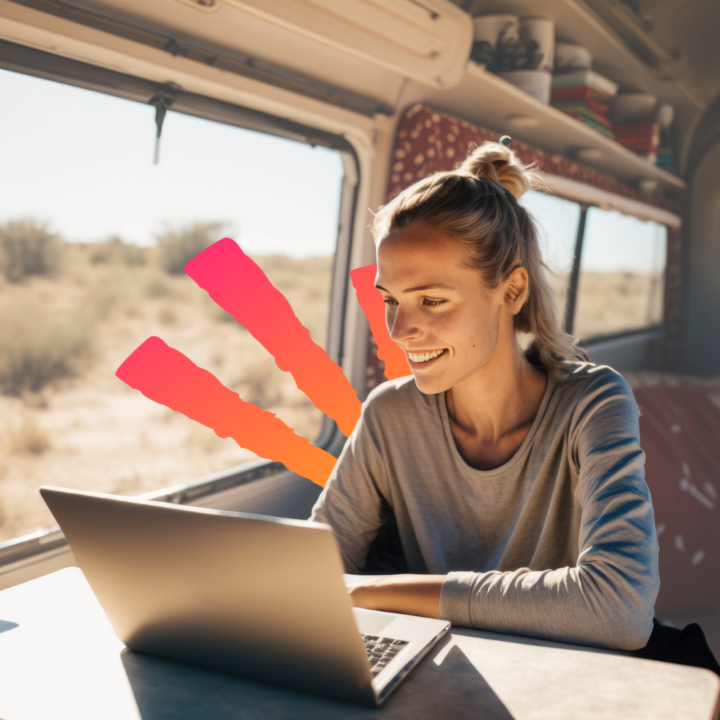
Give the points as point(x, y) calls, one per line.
point(493, 36)
point(534, 82)
point(570, 57)
point(538, 35)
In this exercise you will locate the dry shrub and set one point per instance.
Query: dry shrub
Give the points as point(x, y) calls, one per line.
point(176, 248)
point(102, 297)
point(217, 313)
point(35, 400)
point(167, 315)
point(28, 438)
point(40, 345)
point(111, 289)
point(299, 413)
point(27, 248)
point(133, 310)
point(115, 251)
point(218, 358)
point(261, 381)
point(287, 273)
point(305, 282)
point(157, 287)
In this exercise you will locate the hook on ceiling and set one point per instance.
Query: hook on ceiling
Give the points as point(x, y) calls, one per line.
point(161, 101)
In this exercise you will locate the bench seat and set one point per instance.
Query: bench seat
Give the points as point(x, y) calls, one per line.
point(680, 434)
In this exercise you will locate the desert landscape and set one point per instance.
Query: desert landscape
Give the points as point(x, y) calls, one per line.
point(613, 302)
point(70, 313)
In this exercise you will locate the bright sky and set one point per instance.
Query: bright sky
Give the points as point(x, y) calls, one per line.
point(618, 242)
point(613, 242)
point(556, 221)
point(82, 161)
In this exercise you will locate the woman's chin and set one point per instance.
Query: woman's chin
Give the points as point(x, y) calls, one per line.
point(430, 386)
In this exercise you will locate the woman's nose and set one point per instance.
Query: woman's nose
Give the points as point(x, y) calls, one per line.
point(402, 324)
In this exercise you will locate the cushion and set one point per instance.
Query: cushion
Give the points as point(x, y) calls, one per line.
point(680, 434)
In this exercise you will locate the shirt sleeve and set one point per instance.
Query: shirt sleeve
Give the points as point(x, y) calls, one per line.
point(608, 598)
point(354, 500)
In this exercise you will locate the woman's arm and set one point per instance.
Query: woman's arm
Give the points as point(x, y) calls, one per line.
point(608, 598)
point(410, 594)
point(354, 497)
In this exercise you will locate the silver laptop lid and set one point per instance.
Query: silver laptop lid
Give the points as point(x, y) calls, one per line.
point(261, 597)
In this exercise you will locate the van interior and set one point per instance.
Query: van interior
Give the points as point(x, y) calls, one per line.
point(135, 134)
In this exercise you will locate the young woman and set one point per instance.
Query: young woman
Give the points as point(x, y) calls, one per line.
point(516, 478)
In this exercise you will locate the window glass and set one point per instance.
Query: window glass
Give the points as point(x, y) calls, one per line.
point(556, 220)
point(622, 271)
point(93, 238)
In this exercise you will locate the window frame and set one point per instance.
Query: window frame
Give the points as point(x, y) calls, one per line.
point(28, 61)
point(582, 195)
point(574, 286)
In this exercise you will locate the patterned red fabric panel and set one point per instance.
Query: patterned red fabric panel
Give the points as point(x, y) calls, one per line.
point(679, 431)
point(666, 353)
point(375, 367)
point(430, 141)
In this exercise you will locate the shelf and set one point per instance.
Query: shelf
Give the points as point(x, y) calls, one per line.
point(486, 99)
point(576, 22)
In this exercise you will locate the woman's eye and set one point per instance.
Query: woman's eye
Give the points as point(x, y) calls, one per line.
point(433, 303)
point(389, 301)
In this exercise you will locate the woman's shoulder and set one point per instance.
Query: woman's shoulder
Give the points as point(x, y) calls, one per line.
point(399, 395)
point(584, 377)
point(588, 387)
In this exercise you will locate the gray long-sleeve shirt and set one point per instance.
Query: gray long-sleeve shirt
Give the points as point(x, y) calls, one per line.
point(559, 542)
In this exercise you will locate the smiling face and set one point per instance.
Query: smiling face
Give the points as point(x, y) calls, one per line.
point(438, 309)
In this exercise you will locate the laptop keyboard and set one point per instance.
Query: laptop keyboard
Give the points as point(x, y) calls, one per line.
point(381, 651)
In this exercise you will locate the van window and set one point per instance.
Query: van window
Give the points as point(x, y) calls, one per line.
point(93, 240)
point(622, 273)
point(556, 220)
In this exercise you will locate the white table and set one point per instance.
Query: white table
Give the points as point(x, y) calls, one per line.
point(59, 658)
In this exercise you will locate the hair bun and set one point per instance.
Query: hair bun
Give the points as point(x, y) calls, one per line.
point(498, 163)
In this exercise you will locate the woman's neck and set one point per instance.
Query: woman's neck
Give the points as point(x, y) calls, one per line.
point(492, 411)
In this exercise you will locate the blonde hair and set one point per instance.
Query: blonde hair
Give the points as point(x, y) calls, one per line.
point(477, 206)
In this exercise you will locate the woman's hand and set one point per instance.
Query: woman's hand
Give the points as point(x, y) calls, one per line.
point(409, 594)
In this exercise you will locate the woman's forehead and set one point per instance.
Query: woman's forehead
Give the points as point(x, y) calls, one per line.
point(420, 258)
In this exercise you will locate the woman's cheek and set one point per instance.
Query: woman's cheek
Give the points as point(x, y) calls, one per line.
point(482, 338)
point(457, 329)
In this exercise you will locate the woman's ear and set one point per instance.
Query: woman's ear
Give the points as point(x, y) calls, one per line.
point(517, 287)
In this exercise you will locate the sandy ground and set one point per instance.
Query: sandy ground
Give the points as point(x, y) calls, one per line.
point(613, 302)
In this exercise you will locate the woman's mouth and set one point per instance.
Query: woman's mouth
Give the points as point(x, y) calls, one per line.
point(424, 358)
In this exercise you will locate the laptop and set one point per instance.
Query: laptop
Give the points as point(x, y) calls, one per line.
point(252, 595)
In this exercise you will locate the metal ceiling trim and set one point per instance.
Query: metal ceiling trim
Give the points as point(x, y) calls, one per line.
point(238, 63)
point(20, 58)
